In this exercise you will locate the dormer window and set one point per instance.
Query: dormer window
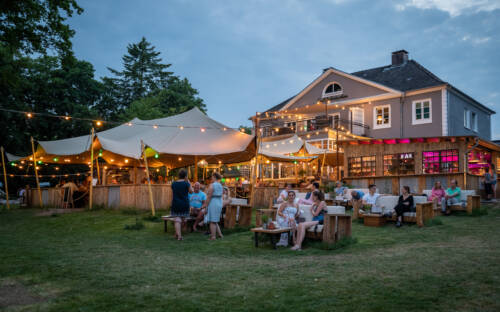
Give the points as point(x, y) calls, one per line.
point(332, 89)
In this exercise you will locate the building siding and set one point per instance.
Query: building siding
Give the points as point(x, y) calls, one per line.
point(423, 130)
point(353, 89)
point(457, 105)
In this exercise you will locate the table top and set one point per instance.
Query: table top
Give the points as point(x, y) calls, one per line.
point(373, 215)
point(275, 231)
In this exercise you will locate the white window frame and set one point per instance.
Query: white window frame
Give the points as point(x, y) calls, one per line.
point(382, 126)
point(414, 113)
point(466, 118)
point(333, 118)
point(324, 94)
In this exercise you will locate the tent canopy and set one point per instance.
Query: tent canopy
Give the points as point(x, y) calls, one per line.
point(178, 141)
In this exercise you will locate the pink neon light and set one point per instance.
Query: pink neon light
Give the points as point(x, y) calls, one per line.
point(391, 141)
point(404, 141)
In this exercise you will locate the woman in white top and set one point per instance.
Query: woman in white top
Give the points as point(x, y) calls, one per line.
point(287, 213)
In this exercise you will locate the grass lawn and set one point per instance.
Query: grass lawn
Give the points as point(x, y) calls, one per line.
point(86, 261)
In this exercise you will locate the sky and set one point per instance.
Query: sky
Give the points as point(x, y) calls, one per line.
point(245, 56)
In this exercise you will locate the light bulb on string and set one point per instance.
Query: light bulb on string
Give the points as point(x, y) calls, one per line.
point(129, 124)
point(29, 115)
point(202, 129)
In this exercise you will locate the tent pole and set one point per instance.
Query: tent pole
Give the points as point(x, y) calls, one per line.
point(91, 186)
point(195, 178)
point(36, 172)
point(149, 180)
point(5, 179)
point(98, 173)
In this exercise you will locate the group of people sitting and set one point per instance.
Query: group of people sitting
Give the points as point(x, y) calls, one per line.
point(439, 196)
point(190, 200)
point(288, 214)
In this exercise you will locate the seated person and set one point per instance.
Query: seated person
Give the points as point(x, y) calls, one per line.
point(405, 204)
point(451, 197)
point(287, 213)
point(437, 194)
point(340, 190)
point(196, 200)
point(284, 194)
point(318, 209)
point(308, 199)
point(371, 198)
point(357, 198)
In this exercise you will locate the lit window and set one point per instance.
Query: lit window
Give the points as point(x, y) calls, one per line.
point(332, 89)
point(399, 164)
point(422, 111)
point(361, 166)
point(382, 117)
point(440, 161)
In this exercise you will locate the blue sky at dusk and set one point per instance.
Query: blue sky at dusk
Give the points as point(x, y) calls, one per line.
point(246, 56)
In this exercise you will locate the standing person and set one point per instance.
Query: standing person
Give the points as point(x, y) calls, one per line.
point(180, 201)
point(213, 205)
point(451, 197)
point(196, 201)
point(494, 181)
point(405, 203)
point(287, 213)
point(488, 186)
point(318, 209)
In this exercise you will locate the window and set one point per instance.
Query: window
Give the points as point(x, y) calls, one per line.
point(467, 118)
point(332, 89)
point(440, 161)
point(473, 120)
point(422, 111)
point(382, 117)
point(292, 125)
point(399, 164)
point(362, 166)
point(334, 120)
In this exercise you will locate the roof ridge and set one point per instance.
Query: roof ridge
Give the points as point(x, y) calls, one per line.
point(360, 71)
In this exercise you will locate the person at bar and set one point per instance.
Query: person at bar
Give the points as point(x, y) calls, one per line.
point(451, 197)
point(340, 190)
point(213, 204)
point(180, 201)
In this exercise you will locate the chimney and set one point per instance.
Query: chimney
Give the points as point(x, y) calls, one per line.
point(399, 57)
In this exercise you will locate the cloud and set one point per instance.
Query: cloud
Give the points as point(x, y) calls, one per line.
point(476, 40)
point(452, 7)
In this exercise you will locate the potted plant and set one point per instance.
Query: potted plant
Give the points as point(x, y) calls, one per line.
point(265, 219)
point(367, 208)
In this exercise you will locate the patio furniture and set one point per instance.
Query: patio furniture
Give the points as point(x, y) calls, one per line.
point(238, 211)
point(469, 201)
point(373, 219)
point(186, 225)
point(274, 234)
point(421, 212)
point(271, 213)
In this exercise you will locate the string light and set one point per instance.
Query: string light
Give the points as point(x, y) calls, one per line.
point(180, 158)
point(155, 126)
point(157, 156)
point(181, 127)
point(29, 115)
point(202, 129)
point(98, 123)
point(129, 124)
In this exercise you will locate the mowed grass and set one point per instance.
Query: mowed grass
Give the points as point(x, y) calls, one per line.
point(86, 261)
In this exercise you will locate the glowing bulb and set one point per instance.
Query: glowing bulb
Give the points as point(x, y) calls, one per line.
point(129, 124)
point(202, 129)
point(29, 115)
point(57, 168)
point(98, 123)
point(155, 126)
point(181, 127)
point(105, 167)
point(112, 160)
point(156, 155)
point(180, 158)
point(126, 161)
point(224, 129)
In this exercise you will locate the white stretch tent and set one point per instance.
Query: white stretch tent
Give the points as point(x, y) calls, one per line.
point(178, 140)
point(280, 150)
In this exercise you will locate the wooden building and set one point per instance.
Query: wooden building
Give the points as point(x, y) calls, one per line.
point(418, 162)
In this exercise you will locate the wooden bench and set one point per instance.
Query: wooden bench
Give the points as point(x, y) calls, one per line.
point(243, 218)
point(186, 225)
point(423, 212)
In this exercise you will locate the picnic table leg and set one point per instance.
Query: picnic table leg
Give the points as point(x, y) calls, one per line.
point(273, 241)
point(165, 226)
point(290, 238)
point(256, 235)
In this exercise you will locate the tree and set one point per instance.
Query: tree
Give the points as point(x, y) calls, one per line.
point(143, 74)
point(55, 86)
point(33, 26)
point(145, 109)
point(178, 97)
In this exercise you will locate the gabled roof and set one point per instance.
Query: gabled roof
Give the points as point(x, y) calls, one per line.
point(407, 76)
point(276, 108)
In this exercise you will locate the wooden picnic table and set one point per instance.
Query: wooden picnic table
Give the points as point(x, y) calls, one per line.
point(275, 233)
point(187, 223)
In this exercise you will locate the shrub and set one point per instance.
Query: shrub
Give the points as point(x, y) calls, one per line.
point(130, 211)
point(137, 226)
point(151, 218)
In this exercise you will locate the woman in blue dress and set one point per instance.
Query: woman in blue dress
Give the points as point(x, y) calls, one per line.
point(180, 201)
point(214, 206)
